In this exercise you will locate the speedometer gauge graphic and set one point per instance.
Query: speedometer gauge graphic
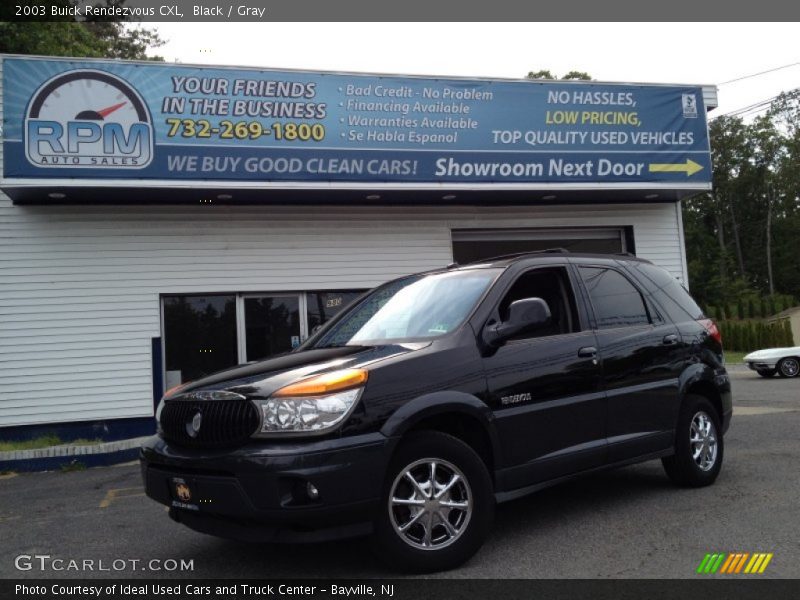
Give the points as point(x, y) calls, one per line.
point(88, 119)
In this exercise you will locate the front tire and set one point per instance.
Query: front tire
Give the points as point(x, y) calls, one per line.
point(699, 446)
point(767, 373)
point(789, 367)
point(437, 504)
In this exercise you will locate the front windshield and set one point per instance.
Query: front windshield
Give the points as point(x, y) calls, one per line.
point(421, 306)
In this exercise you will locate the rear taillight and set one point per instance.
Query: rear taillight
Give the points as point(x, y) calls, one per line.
point(712, 329)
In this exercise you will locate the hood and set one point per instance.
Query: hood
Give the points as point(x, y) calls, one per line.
point(771, 353)
point(261, 379)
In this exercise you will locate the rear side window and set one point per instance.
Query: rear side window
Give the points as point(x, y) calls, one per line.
point(616, 302)
point(669, 293)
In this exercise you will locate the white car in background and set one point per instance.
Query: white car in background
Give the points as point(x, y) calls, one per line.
point(783, 361)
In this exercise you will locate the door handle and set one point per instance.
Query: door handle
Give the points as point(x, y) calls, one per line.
point(587, 352)
point(670, 340)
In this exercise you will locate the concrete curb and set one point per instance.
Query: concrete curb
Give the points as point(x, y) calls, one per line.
point(56, 457)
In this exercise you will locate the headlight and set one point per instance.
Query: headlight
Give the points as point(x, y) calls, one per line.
point(313, 405)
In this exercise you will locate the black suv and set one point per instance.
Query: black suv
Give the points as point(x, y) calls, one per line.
point(435, 396)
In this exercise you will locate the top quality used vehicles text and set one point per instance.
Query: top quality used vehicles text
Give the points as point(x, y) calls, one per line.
point(165, 10)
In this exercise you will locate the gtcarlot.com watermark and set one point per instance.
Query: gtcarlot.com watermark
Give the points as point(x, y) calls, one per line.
point(46, 562)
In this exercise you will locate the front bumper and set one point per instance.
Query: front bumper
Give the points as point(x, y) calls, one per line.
point(761, 365)
point(259, 492)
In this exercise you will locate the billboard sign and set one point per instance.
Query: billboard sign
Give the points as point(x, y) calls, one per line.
point(96, 120)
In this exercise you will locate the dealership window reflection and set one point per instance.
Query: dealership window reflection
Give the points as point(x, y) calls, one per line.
point(199, 336)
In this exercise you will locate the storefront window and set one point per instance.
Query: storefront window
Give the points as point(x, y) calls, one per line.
point(200, 332)
point(199, 336)
point(272, 325)
point(323, 306)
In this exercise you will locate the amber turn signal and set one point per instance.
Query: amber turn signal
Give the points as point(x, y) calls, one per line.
point(174, 389)
point(326, 383)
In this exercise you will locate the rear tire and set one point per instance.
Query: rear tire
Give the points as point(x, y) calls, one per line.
point(766, 372)
point(437, 504)
point(789, 367)
point(699, 446)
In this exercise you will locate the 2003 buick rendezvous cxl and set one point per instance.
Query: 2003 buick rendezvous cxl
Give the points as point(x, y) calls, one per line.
point(436, 396)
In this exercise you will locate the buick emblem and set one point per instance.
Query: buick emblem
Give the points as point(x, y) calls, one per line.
point(193, 425)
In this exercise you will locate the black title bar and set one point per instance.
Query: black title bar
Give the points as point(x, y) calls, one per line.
point(260, 11)
point(703, 586)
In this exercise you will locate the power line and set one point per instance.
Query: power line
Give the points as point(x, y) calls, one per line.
point(794, 64)
point(759, 106)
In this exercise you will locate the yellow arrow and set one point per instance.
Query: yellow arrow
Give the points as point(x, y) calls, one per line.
point(689, 167)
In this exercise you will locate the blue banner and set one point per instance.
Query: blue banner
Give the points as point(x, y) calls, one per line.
point(83, 120)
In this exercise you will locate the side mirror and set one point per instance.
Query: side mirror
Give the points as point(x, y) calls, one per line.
point(523, 315)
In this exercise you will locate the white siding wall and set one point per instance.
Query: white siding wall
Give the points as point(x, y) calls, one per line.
point(79, 286)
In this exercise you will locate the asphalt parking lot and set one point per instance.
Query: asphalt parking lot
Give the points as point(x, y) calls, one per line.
point(629, 523)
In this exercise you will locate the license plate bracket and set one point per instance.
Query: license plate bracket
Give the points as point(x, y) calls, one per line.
point(184, 492)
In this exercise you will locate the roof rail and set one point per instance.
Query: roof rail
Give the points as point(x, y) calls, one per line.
point(520, 254)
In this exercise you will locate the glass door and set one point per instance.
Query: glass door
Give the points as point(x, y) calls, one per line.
point(271, 324)
point(199, 335)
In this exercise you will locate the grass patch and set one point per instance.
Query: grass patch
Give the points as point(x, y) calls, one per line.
point(40, 442)
point(83, 442)
point(74, 465)
point(44, 441)
point(734, 358)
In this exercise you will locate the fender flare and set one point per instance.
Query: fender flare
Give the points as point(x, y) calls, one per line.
point(694, 374)
point(438, 403)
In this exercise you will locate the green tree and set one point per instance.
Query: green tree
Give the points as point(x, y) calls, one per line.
point(741, 239)
point(97, 37)
point(540, 74)
point(578, 75)
point(750, 337)
point(547, 74)
point(731, 337)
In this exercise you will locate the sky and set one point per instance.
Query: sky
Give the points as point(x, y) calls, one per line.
point(690, 53)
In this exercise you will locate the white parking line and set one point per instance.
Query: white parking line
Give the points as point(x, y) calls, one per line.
point(746, 411)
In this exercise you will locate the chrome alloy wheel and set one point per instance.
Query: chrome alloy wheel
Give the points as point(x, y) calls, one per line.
point(790, 367)
point(703, 441)
point(430, 504)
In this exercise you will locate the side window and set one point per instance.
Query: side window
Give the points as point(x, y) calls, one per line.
point(617, 303)
point(669, 293)
point(553, 286)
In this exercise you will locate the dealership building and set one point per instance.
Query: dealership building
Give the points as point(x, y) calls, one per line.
point(161, 222)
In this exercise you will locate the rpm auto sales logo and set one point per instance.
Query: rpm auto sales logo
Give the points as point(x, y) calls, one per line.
point(88, 118)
